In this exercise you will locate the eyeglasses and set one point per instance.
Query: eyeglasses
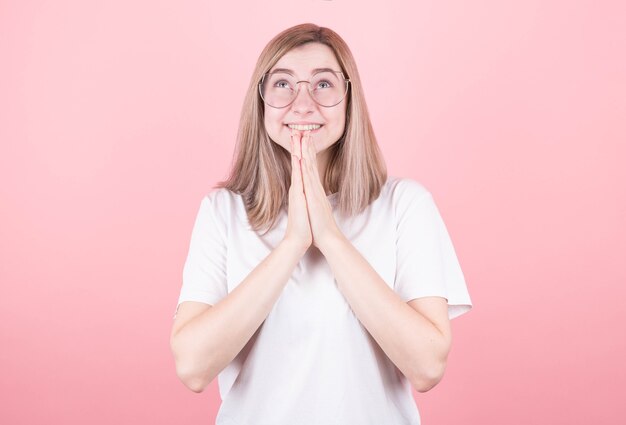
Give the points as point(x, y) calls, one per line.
point(327, 88)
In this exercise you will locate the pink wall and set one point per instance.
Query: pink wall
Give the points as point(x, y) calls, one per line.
point(117, 117)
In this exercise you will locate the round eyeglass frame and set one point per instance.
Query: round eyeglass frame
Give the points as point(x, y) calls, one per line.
point(347, 81)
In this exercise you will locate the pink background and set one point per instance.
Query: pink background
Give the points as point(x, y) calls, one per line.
point(117, 117)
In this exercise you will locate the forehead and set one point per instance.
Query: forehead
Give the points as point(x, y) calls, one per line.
point(303, 60)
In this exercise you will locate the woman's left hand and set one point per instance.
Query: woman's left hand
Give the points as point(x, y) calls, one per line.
point(323, 225)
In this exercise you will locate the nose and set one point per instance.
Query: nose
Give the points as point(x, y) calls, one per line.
point(303, 103)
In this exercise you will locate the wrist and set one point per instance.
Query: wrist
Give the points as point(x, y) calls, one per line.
point(294, 246)
point(329, 241)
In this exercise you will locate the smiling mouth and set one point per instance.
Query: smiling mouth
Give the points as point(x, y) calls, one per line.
point(304, 127)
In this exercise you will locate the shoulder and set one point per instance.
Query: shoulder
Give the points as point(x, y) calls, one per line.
point(224, 205)
point(220, 202)
point(405, 188)
point(220, 197)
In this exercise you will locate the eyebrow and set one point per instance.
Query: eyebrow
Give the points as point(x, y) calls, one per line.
point(315, 71)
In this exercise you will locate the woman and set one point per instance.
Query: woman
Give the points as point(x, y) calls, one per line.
point(317, 288)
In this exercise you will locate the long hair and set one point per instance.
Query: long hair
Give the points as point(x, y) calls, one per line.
point(261, 169)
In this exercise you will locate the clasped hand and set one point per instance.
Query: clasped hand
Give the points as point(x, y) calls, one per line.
point(310, 215)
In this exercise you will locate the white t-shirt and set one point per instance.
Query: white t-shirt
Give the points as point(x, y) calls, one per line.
point(312, 362)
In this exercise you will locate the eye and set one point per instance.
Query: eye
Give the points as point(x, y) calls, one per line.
point(321, 83)
point(281, 84)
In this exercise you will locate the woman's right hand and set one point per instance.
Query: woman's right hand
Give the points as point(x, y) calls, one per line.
point(298, 226)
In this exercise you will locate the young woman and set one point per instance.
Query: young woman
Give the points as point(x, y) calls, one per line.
point(317, 288)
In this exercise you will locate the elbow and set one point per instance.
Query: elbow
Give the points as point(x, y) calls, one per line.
point(187, 371)
point(191, 380)
point(423, 385)
point(428, 379)
point(194, 384)
point(429, 373)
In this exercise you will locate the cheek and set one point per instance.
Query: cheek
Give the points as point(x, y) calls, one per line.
point(273, 123)
point(276, 130)
point(341, 122)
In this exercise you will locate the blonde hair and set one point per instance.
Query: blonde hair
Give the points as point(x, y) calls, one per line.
point(261, 169)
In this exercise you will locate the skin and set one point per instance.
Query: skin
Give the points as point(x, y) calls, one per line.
point(308, 222)
point(415, 335)
point(302, 60)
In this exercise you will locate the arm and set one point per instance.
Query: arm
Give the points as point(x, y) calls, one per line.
point(205, 339)
point(416, 336)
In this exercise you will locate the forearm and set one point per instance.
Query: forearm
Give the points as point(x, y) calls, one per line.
point(206, 344)
point(410, 340)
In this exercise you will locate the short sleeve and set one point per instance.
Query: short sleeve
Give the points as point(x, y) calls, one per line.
point(426, 264)
point(204, 272)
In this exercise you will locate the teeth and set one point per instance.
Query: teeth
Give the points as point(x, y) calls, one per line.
point(304, 127)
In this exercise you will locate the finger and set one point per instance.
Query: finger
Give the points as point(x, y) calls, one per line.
point(299, 138)
point(307, 171)
point(296, 173)
point(312, 155)
point(295, 140)
point(305, 154)
point(305, 145)
point(306, 179)
point(309, 161)
point(311, 145)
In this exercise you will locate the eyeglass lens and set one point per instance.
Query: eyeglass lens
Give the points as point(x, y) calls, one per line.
point(280, 89)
